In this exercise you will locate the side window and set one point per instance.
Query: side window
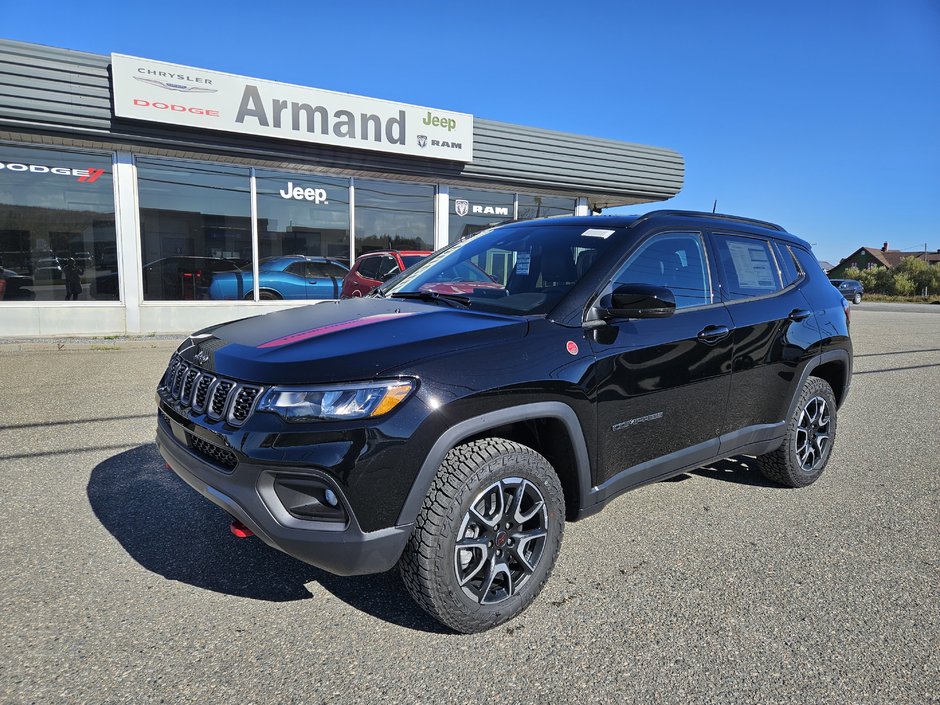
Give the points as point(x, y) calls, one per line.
point(676, 261)
point(369, 267)
point(748, 266)
point(789, 268)
point(324, 270)
point(387, 267)
point(296, 268)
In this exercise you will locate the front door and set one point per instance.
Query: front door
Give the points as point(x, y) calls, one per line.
point(663, 383)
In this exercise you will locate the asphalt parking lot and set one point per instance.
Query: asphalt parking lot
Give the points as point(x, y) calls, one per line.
point(120, 584)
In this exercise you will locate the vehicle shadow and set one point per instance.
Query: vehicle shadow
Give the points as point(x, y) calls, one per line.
point(741, 469)
point(171, 530)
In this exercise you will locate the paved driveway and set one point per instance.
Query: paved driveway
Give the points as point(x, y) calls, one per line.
point(119, 584)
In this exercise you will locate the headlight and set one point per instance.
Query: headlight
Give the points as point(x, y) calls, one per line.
point(347, 401)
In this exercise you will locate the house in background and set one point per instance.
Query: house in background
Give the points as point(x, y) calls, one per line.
point(871, 257)
point(826, 266)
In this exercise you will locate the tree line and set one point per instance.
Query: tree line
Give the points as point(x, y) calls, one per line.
point(912, 277)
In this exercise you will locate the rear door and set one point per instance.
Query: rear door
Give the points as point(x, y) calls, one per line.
point(662, 384)
point(774, 329)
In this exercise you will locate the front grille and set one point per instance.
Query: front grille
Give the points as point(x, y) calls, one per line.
point(244, 401)
point(227, 399)
point(202, 392)
point(212, 452)
point(186, 389)
point(220, 398)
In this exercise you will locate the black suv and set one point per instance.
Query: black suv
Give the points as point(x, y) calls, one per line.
point(455, 433)
point(851, 289)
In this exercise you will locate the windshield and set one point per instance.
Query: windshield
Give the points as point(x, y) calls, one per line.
point(520, 269)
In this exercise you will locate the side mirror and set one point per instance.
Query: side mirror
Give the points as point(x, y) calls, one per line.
point(637, 301)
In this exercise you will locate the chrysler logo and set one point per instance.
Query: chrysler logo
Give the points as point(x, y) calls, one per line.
point(176, 86)
point(461, 207)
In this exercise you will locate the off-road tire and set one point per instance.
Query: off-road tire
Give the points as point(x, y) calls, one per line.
point(430, 562)
point(786, 465)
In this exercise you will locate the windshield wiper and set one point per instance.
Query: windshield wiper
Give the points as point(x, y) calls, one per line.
point(458, 300)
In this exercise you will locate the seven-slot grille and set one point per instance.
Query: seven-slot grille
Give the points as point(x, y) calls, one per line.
point(205, 393)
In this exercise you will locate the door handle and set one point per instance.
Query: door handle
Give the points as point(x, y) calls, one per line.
point(712, 334)
point(799, 314)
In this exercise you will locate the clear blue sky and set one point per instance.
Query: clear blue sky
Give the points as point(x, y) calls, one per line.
point(821, 115)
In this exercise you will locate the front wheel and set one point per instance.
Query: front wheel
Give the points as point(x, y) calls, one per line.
point(857, 299)
point(487, 536)
point(811, 431)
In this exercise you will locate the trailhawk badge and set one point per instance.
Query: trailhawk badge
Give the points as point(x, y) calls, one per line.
point(461, 207)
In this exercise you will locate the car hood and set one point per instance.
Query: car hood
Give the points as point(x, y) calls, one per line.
point(339, 341)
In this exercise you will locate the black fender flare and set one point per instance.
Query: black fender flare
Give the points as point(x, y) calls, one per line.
point(838, 355)
point(493, 419)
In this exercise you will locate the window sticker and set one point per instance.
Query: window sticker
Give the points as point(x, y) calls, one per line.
point(522, 263)
point(752, 264)
point(597, 232)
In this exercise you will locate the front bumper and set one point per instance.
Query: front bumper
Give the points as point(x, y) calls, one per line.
point(248, 494)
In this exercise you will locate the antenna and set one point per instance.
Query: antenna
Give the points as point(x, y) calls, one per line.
point(715, 205)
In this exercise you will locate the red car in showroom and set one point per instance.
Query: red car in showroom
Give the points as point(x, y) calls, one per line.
point(370, 270)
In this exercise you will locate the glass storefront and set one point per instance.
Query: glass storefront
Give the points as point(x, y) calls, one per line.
point(303, 214)
point(58, 241)
point(544, 206)
point(57, 235)
point(195, 222)
point(472, 211)
point(392, 215)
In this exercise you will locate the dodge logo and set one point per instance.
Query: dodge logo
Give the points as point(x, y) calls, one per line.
point(422, 141)
point(461, 207)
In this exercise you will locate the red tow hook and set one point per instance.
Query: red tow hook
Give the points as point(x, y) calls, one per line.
point(240, 530)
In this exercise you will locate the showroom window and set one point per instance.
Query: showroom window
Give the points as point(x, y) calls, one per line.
point(303, 236)
point(393, 216)
point(57, 236)
point(472, 211)
point(544, 206)
point(195, 228)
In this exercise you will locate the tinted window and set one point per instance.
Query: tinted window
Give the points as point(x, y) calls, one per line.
point(387, 267)
point(369, 267)
point(297, 268)
point(195, 218)
point(676, 261)
point(319, 270)
point(789, 269)
point(57, 237)
point(748, 266)
point(411, 260)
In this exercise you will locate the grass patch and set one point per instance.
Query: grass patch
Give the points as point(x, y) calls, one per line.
point(105, 347)
point(902, 299)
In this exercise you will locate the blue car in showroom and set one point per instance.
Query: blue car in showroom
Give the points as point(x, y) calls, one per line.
point(283, 277)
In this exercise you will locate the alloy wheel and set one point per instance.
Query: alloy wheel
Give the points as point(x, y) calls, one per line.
point(501, 540)
point(813, 434)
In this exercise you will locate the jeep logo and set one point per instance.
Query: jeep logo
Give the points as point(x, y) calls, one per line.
point(435, 121)
point(317, 195)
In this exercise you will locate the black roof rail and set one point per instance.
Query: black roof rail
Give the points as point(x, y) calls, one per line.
point(702, 214)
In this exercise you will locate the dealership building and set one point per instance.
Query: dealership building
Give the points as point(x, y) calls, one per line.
point(126, 183)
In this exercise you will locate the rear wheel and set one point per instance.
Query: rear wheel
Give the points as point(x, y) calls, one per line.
point(857, 299)
point(487, 536)
point(811, 431)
